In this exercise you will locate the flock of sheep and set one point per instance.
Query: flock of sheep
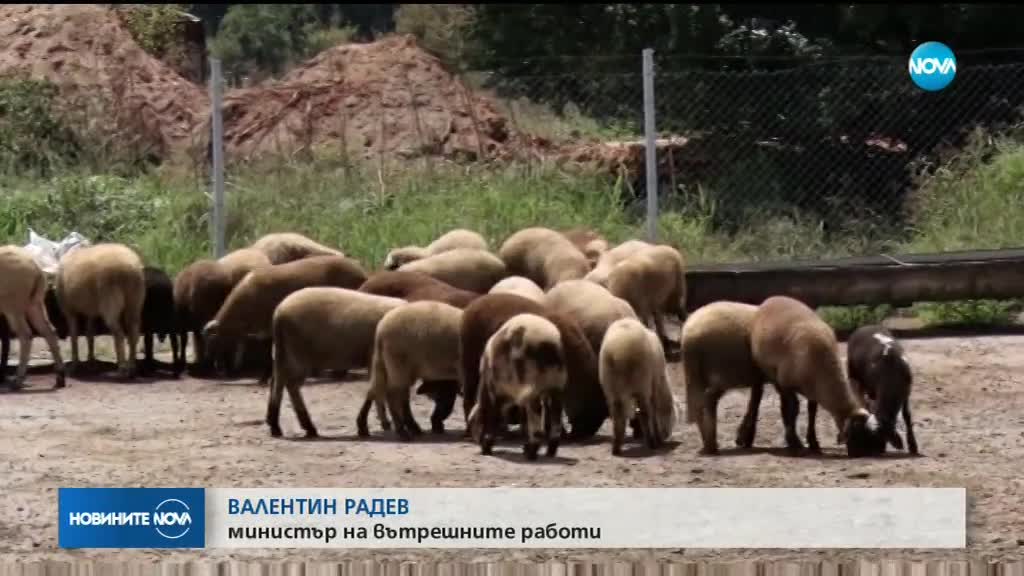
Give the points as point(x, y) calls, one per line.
point(555, 323)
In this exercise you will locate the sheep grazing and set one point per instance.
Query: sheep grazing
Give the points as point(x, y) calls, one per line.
point(798, 352)
point(879, 371)
point(584, 401)
point(594, 307)
point(284, 247)
point(57, 322)
point(715, 344)
point(416, 286)
point(592, 244)
point(249, 308)
point(240, 262)
point(632, 370)
point(464, 268)
point(321, 328)
point(159, 318)
point(653, 281)
point(105, 281)
point(523, 365)
point(417, 340)
point(543, 255)
point(458, 238)
point(199, 291)
point(612, 258)
point(521, 286)
point(22, 304)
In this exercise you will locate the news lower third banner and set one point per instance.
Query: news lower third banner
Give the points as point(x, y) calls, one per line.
point(561, 518)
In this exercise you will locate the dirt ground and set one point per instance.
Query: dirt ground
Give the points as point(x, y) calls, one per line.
point(969, 416)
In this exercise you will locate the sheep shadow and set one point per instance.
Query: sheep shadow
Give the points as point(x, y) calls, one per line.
point(517, 457)
point(380, 437)
point(639, 451)
point(6, 389)
point(824, 455)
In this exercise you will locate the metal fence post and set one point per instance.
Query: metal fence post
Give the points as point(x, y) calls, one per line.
point(217, 145)
point(651, 161)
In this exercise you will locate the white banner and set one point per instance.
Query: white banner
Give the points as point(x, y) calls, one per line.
point(587, 518)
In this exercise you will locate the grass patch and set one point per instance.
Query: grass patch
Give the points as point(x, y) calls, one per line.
point(843, 318)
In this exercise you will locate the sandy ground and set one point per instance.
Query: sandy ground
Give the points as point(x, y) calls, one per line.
point(969, 416)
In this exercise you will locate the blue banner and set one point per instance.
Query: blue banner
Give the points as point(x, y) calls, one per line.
point(131, 517)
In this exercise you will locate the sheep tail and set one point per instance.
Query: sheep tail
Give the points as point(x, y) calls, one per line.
point(694, 385)
point(378, 368)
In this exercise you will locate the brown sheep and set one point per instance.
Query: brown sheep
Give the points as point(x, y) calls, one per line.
point(240, 262)
point(610, 259)
point(106, 281)
point(798, 352)
point(584, 402)
point(520, 285)
point(321, 328)
point(715, 342)
point(632, 369)
point(458, 238)
point(544, 256)
point(594, 307)
point(249, 308)
point(591, 243)
point(417, 340)
point(416, 286)
point(22, 304)
point(464, 268)
point(199, 291)
point(653, 281)
point(523, 365)
point(879, 372)
point(284, 247)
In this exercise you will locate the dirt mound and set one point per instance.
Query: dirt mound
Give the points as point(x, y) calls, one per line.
point(99, 68)
point(387, 96)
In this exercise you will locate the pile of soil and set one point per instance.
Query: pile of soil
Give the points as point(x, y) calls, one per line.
point(388, 97)
point(102, 72)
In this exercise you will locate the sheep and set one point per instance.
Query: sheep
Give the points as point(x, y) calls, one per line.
point(715, 345)
point(519, 285)
point(417, 340)
point(107, 281)
point(612, 258)
point(159, 317)
point(416, 286)
point(798, 352)
point(544, 256)
point(321, 327)
point(53, 313)
point(249, 308)
point(632, 371)
point(284, 247)
point(464, 268)
point(878, 370)
point(593, 306)
point(653, 281)
point(523, 365)
point(584, 402)
point(22, 304)
point(240, 262)
point(199, 291)
point(458, 238)
point(591, 243)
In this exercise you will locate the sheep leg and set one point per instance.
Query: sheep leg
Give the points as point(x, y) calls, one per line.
point(41, 324)
point(748, 427)
point(5, 355)
point(553, 422)
point(174, 353)
point(812, 428)
point(274, 407)
point(301, 412)
point(534, 427)
point(396, 405)
point(179, 353)
point(652, 435)
point(444, 403)
point(147, 345)
point(790, 405)
point(619, 418)
point(488, 416)
point(90, 342)
point(362, 428)
point(24, 333)
point(117, 331)
point(911, 440)
point(410, 422)
point(73, 337)
point(709, 422)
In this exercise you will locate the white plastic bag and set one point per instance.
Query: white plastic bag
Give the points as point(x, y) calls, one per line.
point(48, 253)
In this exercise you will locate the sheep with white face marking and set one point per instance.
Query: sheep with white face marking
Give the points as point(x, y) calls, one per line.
point(611, 258)
point(284, 247)
point(458, 238)
point(633, 375)
point(240, 262)
point(523, 365)
point(520, 286)
point(414, 341)
point(465, 268)
point(22, 304)
point(653, 281)
point(105, 281)
point(715, 344)
point(594, 307)
point(879, 372)
point(591, 243)
point(798, 352)
point(321, 328)
point(543, 255)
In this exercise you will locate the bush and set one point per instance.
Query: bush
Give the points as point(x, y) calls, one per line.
point(33, 137)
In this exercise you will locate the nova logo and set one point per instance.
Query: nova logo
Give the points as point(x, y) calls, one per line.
point(932, 66)
point(172, 519)
point(131, 518)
